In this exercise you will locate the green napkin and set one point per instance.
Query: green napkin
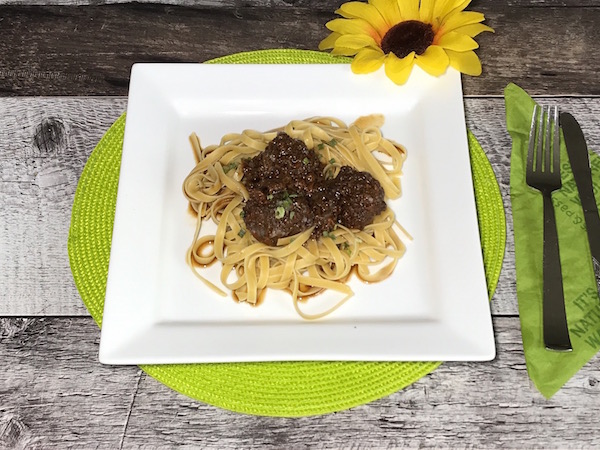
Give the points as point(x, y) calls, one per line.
point(550, 370)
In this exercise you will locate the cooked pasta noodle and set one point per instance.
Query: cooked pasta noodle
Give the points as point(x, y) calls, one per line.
point(299, 264)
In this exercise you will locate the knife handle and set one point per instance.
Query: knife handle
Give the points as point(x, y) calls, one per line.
point(556, 332)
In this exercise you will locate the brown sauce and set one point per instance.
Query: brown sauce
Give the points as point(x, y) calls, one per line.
point(192, 211)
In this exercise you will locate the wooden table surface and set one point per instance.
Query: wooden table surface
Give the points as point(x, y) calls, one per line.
point(64, 68)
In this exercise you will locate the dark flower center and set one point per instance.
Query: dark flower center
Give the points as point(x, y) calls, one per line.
point(408, 36)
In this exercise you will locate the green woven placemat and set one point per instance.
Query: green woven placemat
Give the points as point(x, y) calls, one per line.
point(285, 389)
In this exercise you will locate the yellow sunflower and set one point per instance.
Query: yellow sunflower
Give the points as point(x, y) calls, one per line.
point(433, 34)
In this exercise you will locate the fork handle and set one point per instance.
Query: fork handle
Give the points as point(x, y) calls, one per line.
point(556, 333)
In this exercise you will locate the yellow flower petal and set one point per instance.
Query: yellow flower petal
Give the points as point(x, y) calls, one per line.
point(398, 70)
point(465, 62)
point(426, 10)
point(367, 61)
point(434, 61)
point(457, 42)
point(349, 26)
point(356, 41)
point(360, 10)
point(474, 29)
point(443, 7)
point(329, 41)
point(409, 9)
point(461, 19)
point(389, 11)
point(459, 5)
point(353, 26)
point(343, 51)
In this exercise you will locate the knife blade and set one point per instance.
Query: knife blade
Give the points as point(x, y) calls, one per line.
point(580, 164)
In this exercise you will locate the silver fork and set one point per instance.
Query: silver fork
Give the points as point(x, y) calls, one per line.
point(543, 174)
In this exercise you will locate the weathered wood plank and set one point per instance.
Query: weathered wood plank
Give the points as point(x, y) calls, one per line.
point(54, 50)
point(324, 5)
point(45, 142)
point(56, 395)
point(44, 146)
point(320, 4)
point(283, 3)
point(53, 390)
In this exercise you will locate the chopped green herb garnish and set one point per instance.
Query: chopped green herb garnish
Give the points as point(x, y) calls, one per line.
point(279, 212)
point(332, 161)
point(242, 213)
point(270, 197)
point(287, 201)
point(321, 146)
point(328, 234)
point(332, 142)
point(346, 248)
point(292, 214)
point(305, 161)
point(228, 167)
point(242, 232)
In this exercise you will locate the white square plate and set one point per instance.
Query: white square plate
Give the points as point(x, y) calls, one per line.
point(433, 307)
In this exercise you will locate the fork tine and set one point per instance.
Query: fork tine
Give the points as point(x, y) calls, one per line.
point(549, 143)
point(556, 142)
point(539, 157)
point(531, 148)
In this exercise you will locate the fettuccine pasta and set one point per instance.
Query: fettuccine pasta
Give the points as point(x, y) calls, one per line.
point(299, 264)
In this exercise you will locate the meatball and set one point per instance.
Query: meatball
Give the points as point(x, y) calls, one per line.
point(285, 165)
point(326, 208)
point(288, 193)
point(278, 217)
point(360, 195)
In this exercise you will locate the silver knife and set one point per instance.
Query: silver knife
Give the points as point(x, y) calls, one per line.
point(580, 164)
